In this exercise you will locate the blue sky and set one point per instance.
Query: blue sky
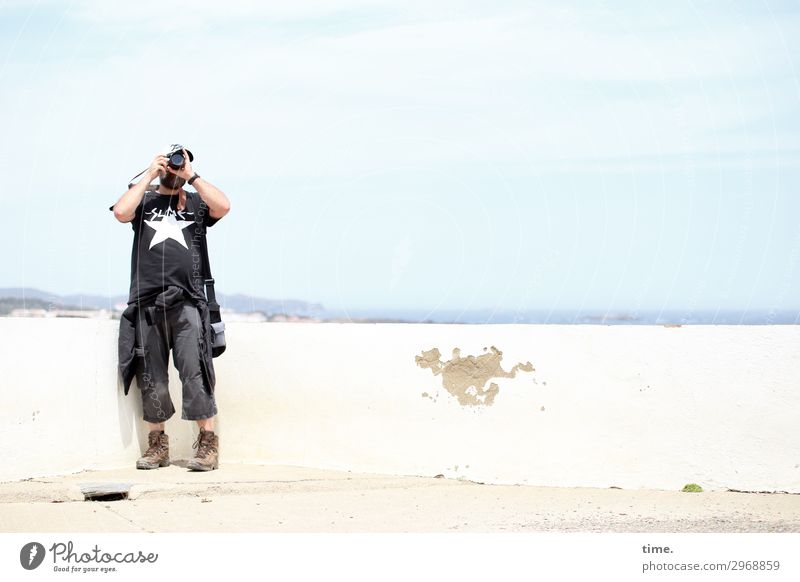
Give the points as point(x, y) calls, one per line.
point(506, 155)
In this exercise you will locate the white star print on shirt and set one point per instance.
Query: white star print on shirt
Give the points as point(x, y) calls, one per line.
point(166, 228)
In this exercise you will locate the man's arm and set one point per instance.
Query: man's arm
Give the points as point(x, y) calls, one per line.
point(125, 208)
point(218, 203)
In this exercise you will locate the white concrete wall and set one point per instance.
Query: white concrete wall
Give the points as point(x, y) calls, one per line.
point(627, 406)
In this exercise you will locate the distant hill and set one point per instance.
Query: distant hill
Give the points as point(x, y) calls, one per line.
point(8, 304)
point(247, 303)
point(12, 297)
point(31, 297)
point(51, 299)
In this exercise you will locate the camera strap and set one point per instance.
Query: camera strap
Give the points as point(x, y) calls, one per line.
point(211, 297)
point(214, 316)
point(131, 181)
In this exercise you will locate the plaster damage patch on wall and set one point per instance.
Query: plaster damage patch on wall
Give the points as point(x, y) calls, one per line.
point(466, 378)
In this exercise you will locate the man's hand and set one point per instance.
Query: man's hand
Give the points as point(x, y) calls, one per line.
point(186, 171)
point(158, 167)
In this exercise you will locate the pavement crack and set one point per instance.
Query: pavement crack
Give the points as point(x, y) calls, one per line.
point(130, 521)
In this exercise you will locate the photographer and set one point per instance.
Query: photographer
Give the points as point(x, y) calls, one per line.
point(167, 308)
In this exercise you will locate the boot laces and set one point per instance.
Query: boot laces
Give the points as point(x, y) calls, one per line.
point(203, 445)
point(156, 446)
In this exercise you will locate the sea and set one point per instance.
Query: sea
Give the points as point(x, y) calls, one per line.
point(569, 317)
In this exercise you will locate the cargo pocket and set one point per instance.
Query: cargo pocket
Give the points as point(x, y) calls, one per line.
point(144, 379)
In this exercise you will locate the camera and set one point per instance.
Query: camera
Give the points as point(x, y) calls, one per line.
point(175, 157)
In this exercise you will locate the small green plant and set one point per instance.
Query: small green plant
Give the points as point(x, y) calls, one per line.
point(692, 488)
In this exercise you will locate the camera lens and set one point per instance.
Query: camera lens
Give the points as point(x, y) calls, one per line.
point(176, 161)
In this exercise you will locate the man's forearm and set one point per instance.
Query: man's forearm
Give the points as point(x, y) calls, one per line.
point(126, 205)
point(218, 203)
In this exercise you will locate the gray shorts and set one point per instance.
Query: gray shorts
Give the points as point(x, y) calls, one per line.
point(178, 329)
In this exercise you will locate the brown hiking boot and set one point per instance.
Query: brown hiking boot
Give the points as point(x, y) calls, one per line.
point(157, 454)
point(207, 457)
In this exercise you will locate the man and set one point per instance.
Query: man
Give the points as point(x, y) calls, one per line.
point(167, 307)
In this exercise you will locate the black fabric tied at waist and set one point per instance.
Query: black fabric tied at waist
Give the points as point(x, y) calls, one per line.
point(166, 301)
point(154, 309)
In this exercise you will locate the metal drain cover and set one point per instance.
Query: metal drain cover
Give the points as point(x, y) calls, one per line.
point(105, 491)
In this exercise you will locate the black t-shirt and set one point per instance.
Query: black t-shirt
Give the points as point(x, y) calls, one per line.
point(167, 245)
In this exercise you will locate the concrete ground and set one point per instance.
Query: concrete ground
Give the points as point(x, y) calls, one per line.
point(258, 498)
